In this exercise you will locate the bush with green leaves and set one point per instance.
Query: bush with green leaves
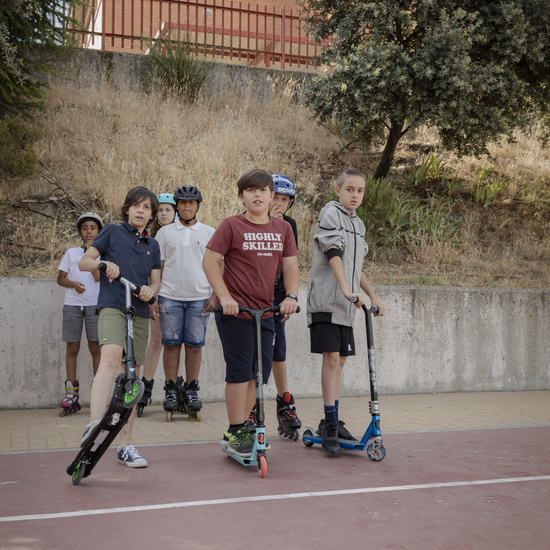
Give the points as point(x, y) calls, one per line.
point(17, 158)
point(177, 69)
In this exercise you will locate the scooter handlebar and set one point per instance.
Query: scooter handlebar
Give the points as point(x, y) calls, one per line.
point(102, 266)
point(373, 309)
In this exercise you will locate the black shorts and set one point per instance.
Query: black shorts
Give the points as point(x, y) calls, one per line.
point(237, 338)
point(328, 337)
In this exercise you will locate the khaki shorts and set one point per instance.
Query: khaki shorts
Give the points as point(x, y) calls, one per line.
point(112, 330)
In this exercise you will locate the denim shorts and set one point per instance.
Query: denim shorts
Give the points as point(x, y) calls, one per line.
point(237, 338)
point(73, 321)
point(182, 322)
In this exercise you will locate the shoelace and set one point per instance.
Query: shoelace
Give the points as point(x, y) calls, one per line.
point(131, 452)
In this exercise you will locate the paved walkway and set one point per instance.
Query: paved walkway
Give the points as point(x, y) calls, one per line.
point(43, 429)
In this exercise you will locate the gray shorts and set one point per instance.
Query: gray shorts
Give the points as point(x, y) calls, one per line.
point(73, 321)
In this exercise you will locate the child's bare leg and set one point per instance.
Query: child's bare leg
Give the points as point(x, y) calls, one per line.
point(153, 351)
point(110, 365)
point(237, 399)
point(171, 361)
point(193, 358)
point(71, 355)
point(95, 353)
point(331, 376)
point(280, 376)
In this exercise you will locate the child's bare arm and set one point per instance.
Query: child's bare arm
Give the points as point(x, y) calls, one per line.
point(372, 295)
point(291, 277)
point(212, 266)
point(89, 263)
point(64, 281)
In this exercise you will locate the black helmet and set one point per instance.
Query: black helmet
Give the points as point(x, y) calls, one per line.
point(89, 216)
point(187, 193)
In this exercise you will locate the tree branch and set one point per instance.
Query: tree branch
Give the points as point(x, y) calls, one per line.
point(50, 177)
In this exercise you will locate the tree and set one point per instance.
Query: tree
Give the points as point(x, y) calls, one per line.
point(29, 29)
point(471, 68)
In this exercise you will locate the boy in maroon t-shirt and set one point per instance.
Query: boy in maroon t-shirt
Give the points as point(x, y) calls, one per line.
point(251, 247)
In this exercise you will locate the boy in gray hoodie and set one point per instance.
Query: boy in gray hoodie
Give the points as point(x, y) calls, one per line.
point(337, 288)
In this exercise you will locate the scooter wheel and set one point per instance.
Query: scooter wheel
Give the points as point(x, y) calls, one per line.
point(130, 399)
point(78, 473)
point(376, 454)
point(262, 465)
point(307, 443)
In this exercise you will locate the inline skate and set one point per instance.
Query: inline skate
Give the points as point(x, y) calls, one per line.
point(188, 400)
point(146, 397)
point(170, 399)
point(69, 404)
point(289, 423)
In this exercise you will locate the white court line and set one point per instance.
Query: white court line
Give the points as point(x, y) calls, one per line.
point(194, 503)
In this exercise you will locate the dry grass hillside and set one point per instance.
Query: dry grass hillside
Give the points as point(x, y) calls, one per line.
point(99, 143)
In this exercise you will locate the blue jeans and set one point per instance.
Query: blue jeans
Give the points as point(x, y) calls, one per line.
point(182, 322)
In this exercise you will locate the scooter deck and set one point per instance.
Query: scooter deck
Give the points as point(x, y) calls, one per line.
point(258, 447)
point(102, 435)
point(372, 431)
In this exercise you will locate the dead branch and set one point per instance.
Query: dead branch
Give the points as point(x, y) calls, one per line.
point(50, 177)
point(23, 207)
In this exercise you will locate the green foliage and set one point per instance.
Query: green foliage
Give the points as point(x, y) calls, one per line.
point(431, 168)
point(468, 68)
point(177, 69)
point(29, 29)
point(487, 186)
point(393, 219)
point(17, 158)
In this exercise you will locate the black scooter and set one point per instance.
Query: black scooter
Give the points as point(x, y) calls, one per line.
point(127, 392)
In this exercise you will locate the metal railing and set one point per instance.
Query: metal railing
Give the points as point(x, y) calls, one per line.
point(225, 30)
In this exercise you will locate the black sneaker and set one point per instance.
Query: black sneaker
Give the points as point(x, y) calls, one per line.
point(342, 431)
point(330, 439)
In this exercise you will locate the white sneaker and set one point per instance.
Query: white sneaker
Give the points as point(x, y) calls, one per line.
point(88, 432)
point(130, 456)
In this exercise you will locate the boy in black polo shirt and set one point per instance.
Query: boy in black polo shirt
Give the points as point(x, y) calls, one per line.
point(126, 249)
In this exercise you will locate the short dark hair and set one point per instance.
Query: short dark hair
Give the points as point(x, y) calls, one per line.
point(138, 194)
point(348, 172)
point(255, 179)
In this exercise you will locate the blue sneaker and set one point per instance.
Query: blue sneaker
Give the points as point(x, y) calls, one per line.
point(88, 432)
point(130, 456)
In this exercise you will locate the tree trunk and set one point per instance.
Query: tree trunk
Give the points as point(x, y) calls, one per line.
point(396, 133)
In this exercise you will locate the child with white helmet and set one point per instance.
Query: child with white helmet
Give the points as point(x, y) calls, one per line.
point(81, 291)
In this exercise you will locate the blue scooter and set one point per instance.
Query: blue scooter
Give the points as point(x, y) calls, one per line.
point(258, 455)
point(372, 439)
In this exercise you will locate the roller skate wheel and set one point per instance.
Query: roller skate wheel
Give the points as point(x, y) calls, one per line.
point(169, 415)
point(139, 410)
point(61, 412)
point(195, 415)
point(295, 435)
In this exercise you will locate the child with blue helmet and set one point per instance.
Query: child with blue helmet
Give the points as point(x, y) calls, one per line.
point(166, 214)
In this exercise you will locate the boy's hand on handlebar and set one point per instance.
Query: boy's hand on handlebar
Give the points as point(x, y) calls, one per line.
point(288, 307)
point(145, 293)
point(230, 306)
point(381, 309)
point(358, 299)
point(111, 270)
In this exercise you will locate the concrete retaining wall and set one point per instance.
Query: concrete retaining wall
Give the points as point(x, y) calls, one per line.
point(431, 340)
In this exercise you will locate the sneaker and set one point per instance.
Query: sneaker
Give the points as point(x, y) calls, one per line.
point(239, 442)
point(251, 422)
point(343, 433)
point(88, 432)
point(225, 438)
point(130, 456)
point(330, 439)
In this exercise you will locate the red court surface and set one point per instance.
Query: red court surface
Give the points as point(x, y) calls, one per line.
point(472, 489)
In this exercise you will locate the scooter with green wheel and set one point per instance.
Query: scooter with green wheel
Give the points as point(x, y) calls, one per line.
point(258, 455)
point(127, 392)
point(372, 438)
